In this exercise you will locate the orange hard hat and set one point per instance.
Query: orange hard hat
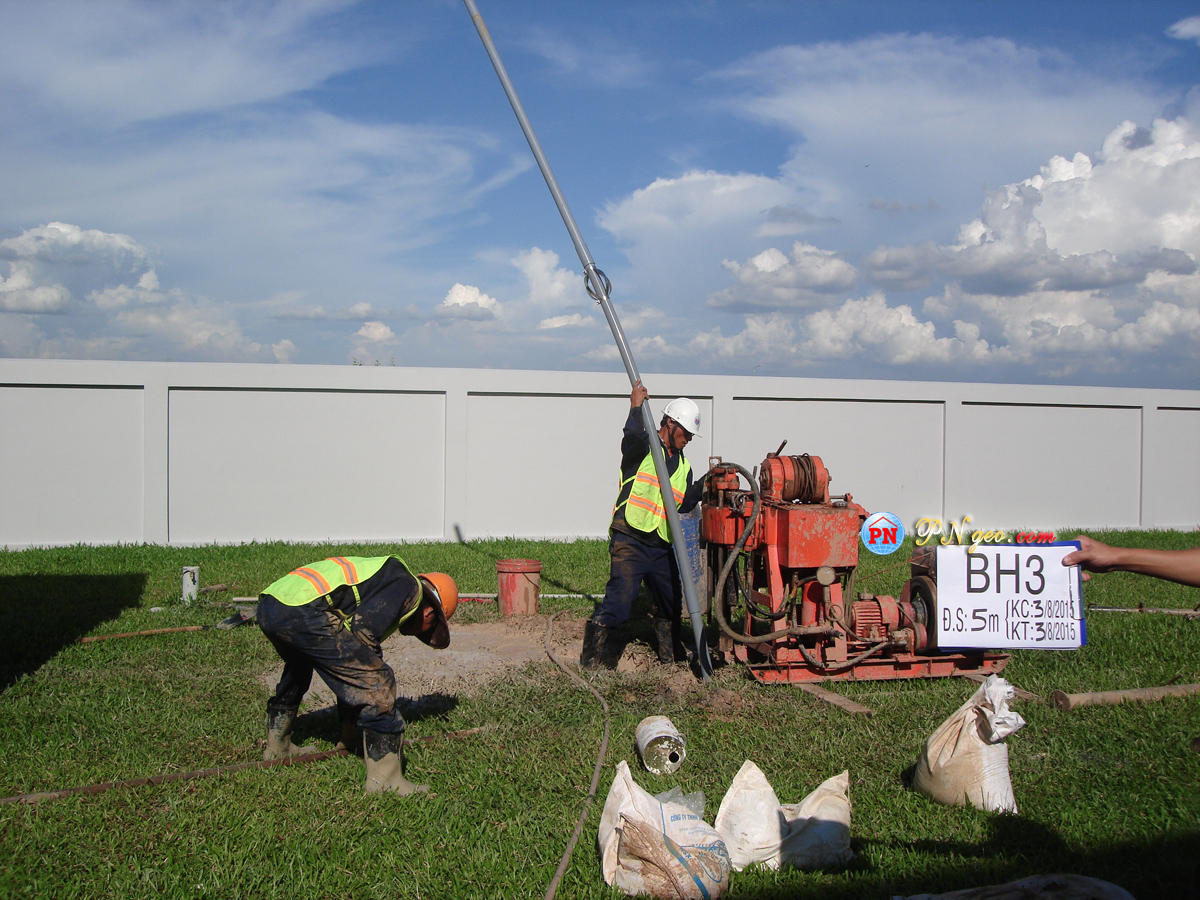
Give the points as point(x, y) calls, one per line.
point(445, 588)
point(445, 595)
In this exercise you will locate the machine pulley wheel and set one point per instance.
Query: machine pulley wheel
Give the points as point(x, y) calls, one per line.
point(923, 596)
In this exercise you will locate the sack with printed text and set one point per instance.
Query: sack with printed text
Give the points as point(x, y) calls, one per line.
point(648, 847)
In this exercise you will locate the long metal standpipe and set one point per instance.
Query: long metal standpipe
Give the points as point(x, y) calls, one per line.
point(598, 287)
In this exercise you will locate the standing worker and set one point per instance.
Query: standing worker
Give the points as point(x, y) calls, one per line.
point(639, 542)
point(332, 616)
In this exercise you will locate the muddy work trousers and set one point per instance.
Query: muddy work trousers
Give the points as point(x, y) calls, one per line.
point(311, 637)
point(630, 563)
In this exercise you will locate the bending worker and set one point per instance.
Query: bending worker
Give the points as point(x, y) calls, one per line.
point(639, 537)
point(332, 616)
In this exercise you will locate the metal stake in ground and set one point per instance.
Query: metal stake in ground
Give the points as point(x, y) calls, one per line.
point(599, 287)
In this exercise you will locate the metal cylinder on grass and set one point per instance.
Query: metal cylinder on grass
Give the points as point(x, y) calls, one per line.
point(660, 746)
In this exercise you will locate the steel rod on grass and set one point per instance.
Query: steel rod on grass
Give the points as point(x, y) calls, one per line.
point(126, 634)
point(1186, 613)
point(298, 759)
point(598, 287)
point(172, 776)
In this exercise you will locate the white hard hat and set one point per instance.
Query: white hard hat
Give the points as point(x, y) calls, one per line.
point(686, 413)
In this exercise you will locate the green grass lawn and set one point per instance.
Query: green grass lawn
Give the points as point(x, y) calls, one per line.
point(1112, 792)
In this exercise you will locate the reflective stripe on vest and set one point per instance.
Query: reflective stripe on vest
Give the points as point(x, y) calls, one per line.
point(319, 579)
point(643, 508)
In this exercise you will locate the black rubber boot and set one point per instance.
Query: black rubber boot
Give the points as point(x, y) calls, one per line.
point(383, 755)
point(666, 633)
point(595, 647)
point(588, 657)
point(348, 720)
point(280, 720)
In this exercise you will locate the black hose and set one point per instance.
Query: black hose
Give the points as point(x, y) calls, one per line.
point(806, 478)
point(718, 597)
point(837, 667)
point(552, 889)
point(755, 610)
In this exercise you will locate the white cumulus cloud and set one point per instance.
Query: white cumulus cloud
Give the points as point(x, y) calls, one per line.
point(1086, 270)
point(892, 334)
point(574, 320)
point(60, 242)
point(767, 338)
point(145, 291)
point(126, 313)
point(20, 292)
point(550, 286)
point(676, 230)
point(693, 201)
point(284, 351)
point(190, 330)
point(773, 280)
point(884, 106)
point(465, 301)
point(376, 332)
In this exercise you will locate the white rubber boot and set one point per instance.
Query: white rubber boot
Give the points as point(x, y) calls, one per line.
point(280, 720)
point(384, 758)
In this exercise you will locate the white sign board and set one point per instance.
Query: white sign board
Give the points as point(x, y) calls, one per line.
point(1009, 596)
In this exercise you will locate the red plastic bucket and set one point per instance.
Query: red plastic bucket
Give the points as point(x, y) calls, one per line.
point(519, 580)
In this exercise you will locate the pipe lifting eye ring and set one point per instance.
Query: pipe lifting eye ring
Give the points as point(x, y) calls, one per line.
point(601, 288)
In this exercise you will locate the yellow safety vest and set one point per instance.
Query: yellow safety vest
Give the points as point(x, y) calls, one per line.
point(643, 507)
point(308, 583)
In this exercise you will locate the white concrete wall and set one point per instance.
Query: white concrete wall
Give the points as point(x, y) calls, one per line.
point(182, 453)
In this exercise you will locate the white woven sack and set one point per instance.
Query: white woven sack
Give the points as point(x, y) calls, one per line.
point(965, 761)
point(658, 849)
point(818, 827)
point(756, 828)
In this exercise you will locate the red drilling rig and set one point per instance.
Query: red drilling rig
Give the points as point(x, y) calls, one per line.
point(781, 558)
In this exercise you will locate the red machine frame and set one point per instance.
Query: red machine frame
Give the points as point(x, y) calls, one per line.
point(797, 552)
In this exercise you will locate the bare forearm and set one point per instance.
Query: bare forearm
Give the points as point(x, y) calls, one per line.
point(1181, 566)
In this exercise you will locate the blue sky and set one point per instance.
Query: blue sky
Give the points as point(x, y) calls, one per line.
point(989, 191)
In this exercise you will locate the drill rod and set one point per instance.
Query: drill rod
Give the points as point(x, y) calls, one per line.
point(598, 287)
